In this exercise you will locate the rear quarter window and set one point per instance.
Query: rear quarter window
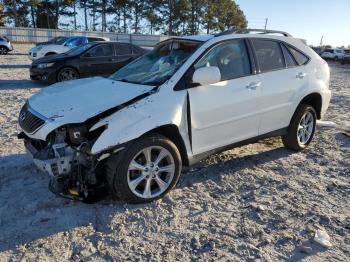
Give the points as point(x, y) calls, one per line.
point(299, 56)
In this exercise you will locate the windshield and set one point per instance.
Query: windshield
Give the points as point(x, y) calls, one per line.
point(58, 40)
point(78, 50)
point(159, 65)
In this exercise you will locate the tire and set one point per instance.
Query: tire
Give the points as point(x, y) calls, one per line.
point(3, 50)
point(129, 174)
point(335, 58)
point(67, 73)
point(300, 134)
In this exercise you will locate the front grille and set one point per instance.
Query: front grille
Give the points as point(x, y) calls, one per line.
point(28, 121)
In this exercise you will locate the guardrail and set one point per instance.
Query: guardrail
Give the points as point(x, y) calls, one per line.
point(35, 35)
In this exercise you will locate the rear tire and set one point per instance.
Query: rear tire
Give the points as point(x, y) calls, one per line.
point(301, 129)
point(3, 50)
point(146, 171)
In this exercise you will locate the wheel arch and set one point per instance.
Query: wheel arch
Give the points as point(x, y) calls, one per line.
point(314, 100)
point(50, 53)
point(171, 131)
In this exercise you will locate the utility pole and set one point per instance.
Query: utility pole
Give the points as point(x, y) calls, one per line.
point(266, 20)
point(321, 42)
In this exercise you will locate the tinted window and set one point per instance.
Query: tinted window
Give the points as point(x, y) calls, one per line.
point(136, 51)
point(94, 39)
point(269, 54)
point(299, 57)
point(101, 50)
point(231, 58)
point(123, 49)
point(289, 58)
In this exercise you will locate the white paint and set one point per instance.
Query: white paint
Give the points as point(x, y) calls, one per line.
point(221, 113)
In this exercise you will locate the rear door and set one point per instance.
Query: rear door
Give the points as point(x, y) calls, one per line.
point(225, 112)
point(98, 61)
point(281, 78)
point(124, 55)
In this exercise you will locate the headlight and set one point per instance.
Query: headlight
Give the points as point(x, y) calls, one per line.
point(45, 65)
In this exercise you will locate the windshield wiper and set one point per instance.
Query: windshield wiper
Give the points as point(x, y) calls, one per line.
point(127, 81)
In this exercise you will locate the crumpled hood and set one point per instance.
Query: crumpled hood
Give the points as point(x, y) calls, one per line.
point(78, 100)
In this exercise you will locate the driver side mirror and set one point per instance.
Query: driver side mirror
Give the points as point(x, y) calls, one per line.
point(206, 75)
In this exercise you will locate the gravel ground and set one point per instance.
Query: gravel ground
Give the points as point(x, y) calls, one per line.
point(259, 202)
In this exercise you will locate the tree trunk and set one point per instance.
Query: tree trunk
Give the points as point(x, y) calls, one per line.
point(85, 16)
point(32, 14)
point(75, 16)
point(124, 19)
point(170, 17)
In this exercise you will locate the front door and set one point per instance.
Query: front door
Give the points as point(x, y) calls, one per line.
point(225, 112)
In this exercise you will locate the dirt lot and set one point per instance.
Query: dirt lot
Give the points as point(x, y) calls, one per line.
point(259, 202)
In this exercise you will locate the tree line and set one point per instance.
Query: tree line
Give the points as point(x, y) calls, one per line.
point(173, 17)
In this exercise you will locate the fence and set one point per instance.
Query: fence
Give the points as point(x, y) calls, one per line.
point(34, 35)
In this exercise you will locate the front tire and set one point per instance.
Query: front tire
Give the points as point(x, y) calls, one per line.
point(146, 171)
point(3, 50)
point(66, 74)
point(301, 129)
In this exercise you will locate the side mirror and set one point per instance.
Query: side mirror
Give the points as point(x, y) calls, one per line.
point(206, 75)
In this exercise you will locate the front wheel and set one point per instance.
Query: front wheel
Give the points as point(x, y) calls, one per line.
point(3, 50)
point(301, 129)
point(146, 171)
point(66, 74)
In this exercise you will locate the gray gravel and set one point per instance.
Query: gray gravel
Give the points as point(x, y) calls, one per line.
point(259, 202)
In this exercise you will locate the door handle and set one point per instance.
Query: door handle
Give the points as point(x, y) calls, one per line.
point(301, 75)
point(253, 85)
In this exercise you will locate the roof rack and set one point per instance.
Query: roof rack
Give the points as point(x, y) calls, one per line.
point(249, 30)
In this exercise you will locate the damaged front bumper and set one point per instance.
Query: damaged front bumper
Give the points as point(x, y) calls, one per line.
point(61, 164)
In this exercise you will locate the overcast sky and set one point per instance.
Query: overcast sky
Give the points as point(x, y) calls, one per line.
point(307, 19)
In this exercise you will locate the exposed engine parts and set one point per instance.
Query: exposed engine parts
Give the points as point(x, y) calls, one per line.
point(74, 171)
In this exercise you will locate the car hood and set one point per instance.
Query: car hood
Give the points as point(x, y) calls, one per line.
point(52, 58)
point(78, 100)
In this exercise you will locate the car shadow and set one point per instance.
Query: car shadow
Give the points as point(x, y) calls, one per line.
point(20, 84)
point(14, 66)
point(32, 212)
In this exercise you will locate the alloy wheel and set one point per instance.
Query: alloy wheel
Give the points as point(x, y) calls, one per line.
point(151, 172)
point(305, 128)
point(68, 74)
point(3, 51)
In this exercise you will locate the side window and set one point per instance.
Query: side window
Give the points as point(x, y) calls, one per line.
point(290, 61)
point(101, 50)
point(299, 57)
point(136, 51)
point(269, 54)
point(123, 49)
point(230, 57)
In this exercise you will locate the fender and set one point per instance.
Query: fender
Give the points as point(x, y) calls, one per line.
point(137, 119)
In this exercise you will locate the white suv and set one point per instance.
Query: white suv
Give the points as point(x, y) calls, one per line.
point(186, 99)
point(335, 54)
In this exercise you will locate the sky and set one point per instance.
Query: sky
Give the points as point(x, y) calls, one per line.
point(307, 19)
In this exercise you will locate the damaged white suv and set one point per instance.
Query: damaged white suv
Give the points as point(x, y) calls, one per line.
point(188, 98)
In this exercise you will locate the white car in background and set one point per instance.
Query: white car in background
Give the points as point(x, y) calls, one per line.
point(188, 98)
point(335, 54)
point(62, 45)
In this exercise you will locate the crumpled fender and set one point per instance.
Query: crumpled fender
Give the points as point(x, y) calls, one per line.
point(137, 119)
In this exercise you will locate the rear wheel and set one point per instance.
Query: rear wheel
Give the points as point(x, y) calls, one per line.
point(301, 129)
point(66, 74)
point(3, 50)
point(146, 171)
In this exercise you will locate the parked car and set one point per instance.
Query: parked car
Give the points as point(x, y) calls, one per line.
point(346, 57)
point(334, 54)
point(92, 59)
point(61, 46)
point(5, 45)
point(318, 50)
point(54, 40)
point(186, 99)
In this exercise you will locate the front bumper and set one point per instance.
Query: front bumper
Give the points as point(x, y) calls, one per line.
point(45, 75)
point(60, 165)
